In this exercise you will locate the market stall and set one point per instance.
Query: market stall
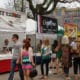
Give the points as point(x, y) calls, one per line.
point(22, 29)
point(5, 62)
point(8, 27)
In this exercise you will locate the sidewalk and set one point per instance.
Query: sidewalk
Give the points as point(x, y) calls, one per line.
point(59, 76)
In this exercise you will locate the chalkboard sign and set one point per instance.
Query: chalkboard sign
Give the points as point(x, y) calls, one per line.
point(48, 25)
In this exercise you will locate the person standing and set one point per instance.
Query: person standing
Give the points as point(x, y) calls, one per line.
point(65, 56)
point(6, 46)
point(45, 58)
point(27, 59)
point(16, 58)
point(76, 57)
point(58, 52)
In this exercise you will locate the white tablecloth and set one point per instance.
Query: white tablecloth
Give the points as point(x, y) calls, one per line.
point(9, 56)
point(5, 56)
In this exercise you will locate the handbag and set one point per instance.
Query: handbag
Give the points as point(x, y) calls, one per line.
point(33, 73)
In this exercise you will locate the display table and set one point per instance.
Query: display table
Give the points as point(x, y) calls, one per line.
point(5, 62)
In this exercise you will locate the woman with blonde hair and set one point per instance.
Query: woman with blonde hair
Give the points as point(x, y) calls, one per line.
point(45, 57)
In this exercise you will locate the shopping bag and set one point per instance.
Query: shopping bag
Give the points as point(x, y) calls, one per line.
point(33, 73)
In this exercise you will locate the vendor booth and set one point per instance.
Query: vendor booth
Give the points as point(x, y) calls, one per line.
point(10, 23)
point(9, 26)
point(5, 61)
point(23, 29)
point(5, 58)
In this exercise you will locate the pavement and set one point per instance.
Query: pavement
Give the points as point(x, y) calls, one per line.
point(59, 76)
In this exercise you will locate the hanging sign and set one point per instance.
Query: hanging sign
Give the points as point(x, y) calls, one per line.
point(47, 25)
point(70, 30)
point(5, 13)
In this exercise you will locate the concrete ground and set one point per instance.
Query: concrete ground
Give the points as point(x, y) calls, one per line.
point(59, 76)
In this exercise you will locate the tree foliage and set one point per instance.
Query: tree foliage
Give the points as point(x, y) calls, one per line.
point(40, 9)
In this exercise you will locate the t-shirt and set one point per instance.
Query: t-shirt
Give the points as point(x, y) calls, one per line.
point(6, 47)
point(74, 48)
point(46, 52)
point(16, 50)
point(73, 45)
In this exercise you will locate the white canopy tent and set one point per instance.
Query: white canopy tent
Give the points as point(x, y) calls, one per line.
point(29, 27)
point(7, 30)
point(5, 25)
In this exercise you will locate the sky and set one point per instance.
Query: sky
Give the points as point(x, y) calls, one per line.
point(3, 3)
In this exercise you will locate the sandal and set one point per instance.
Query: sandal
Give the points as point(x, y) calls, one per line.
point(68, 78)
point(42, 77)
point(55, 73)
point(46, 77)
